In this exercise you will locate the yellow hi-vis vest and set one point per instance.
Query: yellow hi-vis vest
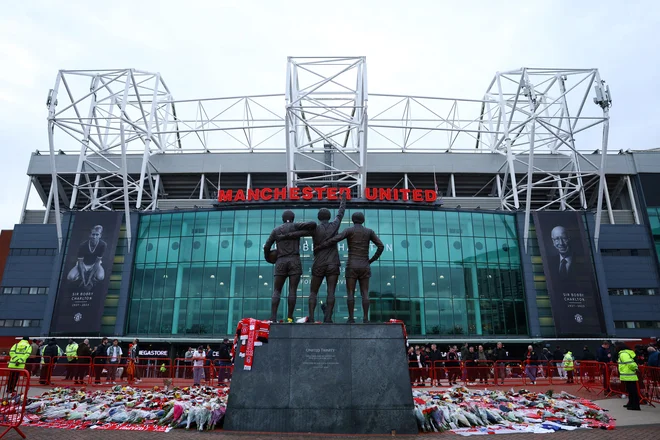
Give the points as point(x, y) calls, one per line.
point(19, 354)
point(568, 361)
point(162, 368)
point(71, 352)
point(627, 366)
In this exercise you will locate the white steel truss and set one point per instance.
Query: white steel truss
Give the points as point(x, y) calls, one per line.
point(326, 112)
point(110, 117)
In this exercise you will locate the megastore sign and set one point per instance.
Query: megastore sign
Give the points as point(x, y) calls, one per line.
point(308, 193)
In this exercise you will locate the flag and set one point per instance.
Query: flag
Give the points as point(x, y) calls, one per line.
point(435, 182)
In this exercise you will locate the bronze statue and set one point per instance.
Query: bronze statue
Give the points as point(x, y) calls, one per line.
point(287, 264)
point(358, 267)
point(326, 262)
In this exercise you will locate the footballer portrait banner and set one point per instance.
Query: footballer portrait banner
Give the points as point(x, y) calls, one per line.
point(569, 273)
point(86, 273)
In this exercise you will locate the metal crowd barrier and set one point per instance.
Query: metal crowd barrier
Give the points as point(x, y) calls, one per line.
point(14, 387)
point(593, 376)
point(651, 379)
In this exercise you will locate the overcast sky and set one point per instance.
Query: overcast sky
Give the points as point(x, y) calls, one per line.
point(220, 48)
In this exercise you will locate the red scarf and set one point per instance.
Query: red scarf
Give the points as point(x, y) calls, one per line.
point(250, 333)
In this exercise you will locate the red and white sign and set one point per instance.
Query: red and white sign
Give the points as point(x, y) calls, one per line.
point(308, 193)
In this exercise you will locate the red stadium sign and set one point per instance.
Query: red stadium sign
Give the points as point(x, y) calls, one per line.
point(308, 193)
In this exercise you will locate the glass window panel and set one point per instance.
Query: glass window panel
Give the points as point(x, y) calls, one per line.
point(510, 318)
point(210, 281)
point(176, 226)
point(503, 251)
point(223, 281)
point(193, 323)
point(457, 282)
point(414, 248)
point(145, 314)
point(439, 223)
point(220, 324)
point(489, 225)
point(148, 284)
point(412, 222)
point(385, 222)
point(492, 250)
point(473, 316)
point(501, 226)
point(460, 317)
point(162, 250)
point(510, 222)
point(465, 219)
point(239, 249)
point(206, 316)
point(173, 248)
point(453, 224)
point(169, 287)
point(455, 250)
point(201, 220)
point(143, 229)
point(165, 225)
point(188, 224)
point(478, 224)
point(185, 249)
point(150, 250)
point(240, 222)
point(428, 245)
point(138, 278)
point(166, 318)
point(468, 248)
point(160, 277)
point(441, 248)
point(444, 280)
point(400, 245)
point(521, 317)
point(389, 251)
point(198, 248)
point(268, 221)
point(156, 316)
point(154, 226)
point(254, 223)
point(212, 248)
point(254, 252)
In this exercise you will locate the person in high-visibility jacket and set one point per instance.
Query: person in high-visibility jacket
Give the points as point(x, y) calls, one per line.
point(568, 366)
point(628, 374)
point(18, 356)
point(71, 359)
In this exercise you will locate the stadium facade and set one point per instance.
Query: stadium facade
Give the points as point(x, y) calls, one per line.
point(532, 241)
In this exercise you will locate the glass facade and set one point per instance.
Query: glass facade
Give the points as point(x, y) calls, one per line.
point(442, 272)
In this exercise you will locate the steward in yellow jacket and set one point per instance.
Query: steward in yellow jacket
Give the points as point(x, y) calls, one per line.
point(18, 356)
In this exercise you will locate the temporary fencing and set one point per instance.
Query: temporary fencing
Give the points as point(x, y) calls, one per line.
point(14, 387)
point(593, 376)
point(650, 377)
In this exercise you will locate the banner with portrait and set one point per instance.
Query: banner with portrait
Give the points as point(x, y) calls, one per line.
point(86, 273)
point(569, 273)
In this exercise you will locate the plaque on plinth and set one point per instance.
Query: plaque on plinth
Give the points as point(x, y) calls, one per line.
point(325, 378)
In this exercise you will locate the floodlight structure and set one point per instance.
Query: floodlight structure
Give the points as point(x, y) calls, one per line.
point(119, 121)
point(530, 111)
point(326, 112)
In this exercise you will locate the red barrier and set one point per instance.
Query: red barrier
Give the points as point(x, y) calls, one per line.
point(478, 371)
point(593, 376)
point(514, 372)
point(149, 372)
point(14, 387)
point(651, 383)
point(68, 373)
point(184, 373)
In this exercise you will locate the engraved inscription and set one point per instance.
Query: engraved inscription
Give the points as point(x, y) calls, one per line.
point(320, 358)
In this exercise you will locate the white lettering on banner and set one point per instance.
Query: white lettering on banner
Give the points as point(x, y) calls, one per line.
point(153, 353)
point(388, 247)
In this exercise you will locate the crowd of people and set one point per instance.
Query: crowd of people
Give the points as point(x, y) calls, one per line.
point(477, 364)
point(109, 363)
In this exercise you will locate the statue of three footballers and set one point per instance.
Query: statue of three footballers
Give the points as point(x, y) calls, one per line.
point(326, 260)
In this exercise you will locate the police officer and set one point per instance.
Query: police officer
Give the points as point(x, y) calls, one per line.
point(18, 356)
point(71, 351)
point(628, 375)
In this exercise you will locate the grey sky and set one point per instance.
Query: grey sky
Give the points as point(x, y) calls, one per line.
point(220, 48)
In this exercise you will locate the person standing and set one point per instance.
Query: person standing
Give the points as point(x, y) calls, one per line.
point(84, 355)
point(33, 360)
point(568, 366)
point(134, 358)
point(100, 355)
point(531, 360)
point(18, 356)
point(604, 355)
point(188, 363)
point(224, 361)
point(71, 359)
point(558, 357)
point(198, 366)
point(435, 357)
point(628, 375)
point(654, 357)
point(114, 359)
point(453, 365)
point(50, 355)
point(208, 374)
point(499, 356)
point(482, 362)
